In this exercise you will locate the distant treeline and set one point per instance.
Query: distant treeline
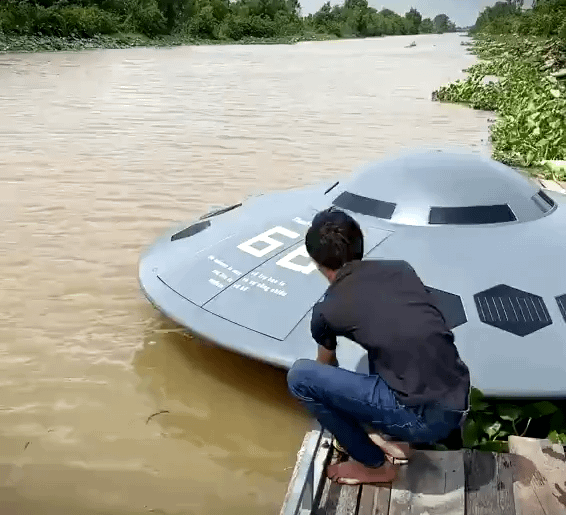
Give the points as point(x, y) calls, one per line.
point(545, 18)
point(208, 19)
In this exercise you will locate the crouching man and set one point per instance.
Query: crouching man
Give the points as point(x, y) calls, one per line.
point(417, 389)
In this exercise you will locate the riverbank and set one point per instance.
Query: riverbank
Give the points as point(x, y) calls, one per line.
point(13, 43)
point(523, 80)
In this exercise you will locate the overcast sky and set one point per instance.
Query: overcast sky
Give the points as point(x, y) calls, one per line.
point(462, 12)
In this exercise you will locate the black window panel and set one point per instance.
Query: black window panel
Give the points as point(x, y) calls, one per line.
point(219, 211)
point(191, 231)
point(365, 205)
point(332, 187)
point(561, 300)
point(543, 201)
point(471, 215)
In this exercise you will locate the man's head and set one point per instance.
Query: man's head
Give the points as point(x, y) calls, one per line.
point(333, 239)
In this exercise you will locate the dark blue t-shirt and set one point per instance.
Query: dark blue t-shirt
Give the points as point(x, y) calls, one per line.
point(383, 306)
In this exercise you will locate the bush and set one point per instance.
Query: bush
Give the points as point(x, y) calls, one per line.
point(79, 21)
point(286, 24)
point(203, 24)
point(239, 27)
point(25, 18)
point(144, 16)
point(17, 18)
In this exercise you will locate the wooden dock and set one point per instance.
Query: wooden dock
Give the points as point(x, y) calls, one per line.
point(529, 480)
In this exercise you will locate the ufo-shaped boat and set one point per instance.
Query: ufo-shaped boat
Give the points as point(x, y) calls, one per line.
point(487, 242)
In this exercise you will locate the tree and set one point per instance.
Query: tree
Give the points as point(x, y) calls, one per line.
point(414, 20)
point(352, 4)
point(427, 27)
point(323, 14)
point(442, 23)
point(388, 13)
point(294, 7)
point(499, 10)
point(517, 4)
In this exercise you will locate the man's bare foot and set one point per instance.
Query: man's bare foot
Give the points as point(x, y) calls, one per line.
point(353, 472)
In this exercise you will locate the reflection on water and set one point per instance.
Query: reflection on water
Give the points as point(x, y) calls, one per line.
point(101, 152)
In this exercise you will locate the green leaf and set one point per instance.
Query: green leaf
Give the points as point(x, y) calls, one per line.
point(508, 412)
point(492, 428)
point(476, 400)
point(493, 446)
point(471, 433)
point(555, 93)
point(539, 409)
point(556, 437)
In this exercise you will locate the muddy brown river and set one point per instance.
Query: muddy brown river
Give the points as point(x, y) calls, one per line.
point(103, 150)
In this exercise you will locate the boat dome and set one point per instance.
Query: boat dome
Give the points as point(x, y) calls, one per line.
point(444, 188)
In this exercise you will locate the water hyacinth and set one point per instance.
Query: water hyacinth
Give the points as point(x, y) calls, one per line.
point(529, 99)
point(491, 421)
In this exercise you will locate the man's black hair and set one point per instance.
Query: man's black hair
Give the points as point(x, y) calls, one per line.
point(334, 238)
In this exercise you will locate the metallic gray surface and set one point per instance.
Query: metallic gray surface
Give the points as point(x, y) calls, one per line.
point(264, 324)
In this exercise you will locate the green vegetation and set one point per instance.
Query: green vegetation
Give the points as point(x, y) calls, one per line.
point(491, 421)
point(546, 18)
point(356, 19)
point(530, 101)
point(529, 94)
point(31, 25)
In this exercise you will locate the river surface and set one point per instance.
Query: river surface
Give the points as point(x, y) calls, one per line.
point(101, 151)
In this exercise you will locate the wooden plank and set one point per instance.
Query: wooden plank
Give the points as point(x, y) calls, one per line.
point(348, 500)
point(330, 492)
point(432, 484)
point(368, 499)
point(338, 499)
point(539, 470)
point(381, 506)
point(323, 455)
point(321, 459)
point(329, 499)
point(489, 483)
point(300, 472)
point(374, 500)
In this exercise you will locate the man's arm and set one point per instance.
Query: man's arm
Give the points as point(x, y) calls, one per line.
point(323, 334)
point(327, 357)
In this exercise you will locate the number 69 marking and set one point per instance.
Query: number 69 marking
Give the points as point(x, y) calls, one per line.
point(272, 244)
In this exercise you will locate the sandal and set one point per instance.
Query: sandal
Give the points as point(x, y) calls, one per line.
point(396, 453)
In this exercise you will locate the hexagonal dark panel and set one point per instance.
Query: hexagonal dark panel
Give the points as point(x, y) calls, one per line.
point(561, 300)
point(515, 311)
point(450, 306)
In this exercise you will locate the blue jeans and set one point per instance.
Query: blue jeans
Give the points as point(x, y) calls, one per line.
point(342, 401)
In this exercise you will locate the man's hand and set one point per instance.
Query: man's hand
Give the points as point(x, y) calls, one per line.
point(327, 357)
